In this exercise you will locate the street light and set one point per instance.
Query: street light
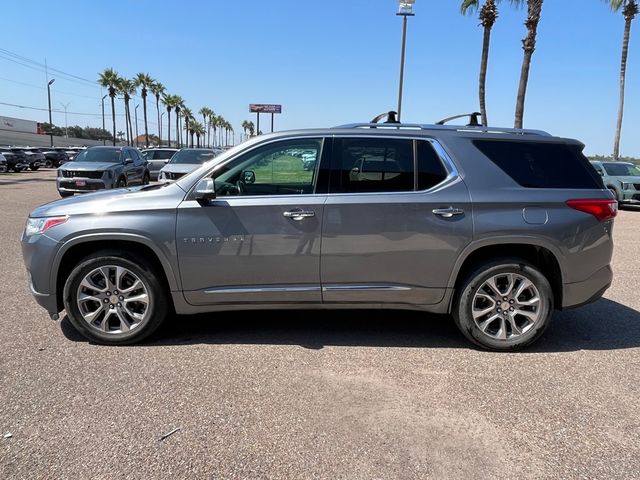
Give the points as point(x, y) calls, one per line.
point(135, 115)
point(405, 9)
point(104, 141)
point(50, 121)
point(66, 128)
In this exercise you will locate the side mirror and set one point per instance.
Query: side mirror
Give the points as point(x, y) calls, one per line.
point(127, 161)
point(248, 177)
point(205, 190)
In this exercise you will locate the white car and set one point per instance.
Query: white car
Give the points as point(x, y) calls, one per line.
point(185, 161)
point(157, 158)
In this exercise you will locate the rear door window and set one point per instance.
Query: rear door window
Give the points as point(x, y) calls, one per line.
point(541, 165)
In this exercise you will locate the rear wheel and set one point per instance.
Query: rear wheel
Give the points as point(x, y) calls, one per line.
point(504, 305)
point(34, 167)
point(112, 300)
point(122, 182)
point(146, 179)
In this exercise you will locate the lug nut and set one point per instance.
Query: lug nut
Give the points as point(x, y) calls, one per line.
point(504, 313)
point(111, 307)
point(115, 293)
point(106, 300)
point(499, 310)
point(121, 298)
point(512, 302)
point(108, 294)
point(119, 304)
point(511, 309)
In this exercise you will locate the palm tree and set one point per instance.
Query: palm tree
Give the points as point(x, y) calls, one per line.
point(629, 10)
point(127, 88)
point(198, 129)
point(245, 127)
point(178, 104)
point(144, 81)
point(109, 80)
point(488, 16)
point(534, 12)
point(187, 114)
point(252, 129)
point(206, 113)
point(169, 102)
point(120, 135)
point(158, 89)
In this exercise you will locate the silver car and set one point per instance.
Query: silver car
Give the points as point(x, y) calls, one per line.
point(185, 161)
point(497, 227)
point(157, 158)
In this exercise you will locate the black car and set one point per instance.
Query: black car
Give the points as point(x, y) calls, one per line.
point(15, 162)
point(54, 157)
point(32, 157)
point(3, 164)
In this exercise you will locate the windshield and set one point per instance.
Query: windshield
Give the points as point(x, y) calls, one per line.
point(99, 155)
point(197, 157)
point(622, 170)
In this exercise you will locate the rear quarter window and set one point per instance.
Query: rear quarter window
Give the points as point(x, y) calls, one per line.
point(541, 165)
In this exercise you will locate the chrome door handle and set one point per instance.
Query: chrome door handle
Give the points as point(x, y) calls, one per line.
point(299, 214)
point(447, 212)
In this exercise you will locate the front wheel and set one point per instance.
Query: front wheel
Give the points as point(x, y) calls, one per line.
point(504, 305)
point(112, 300)
point(34, 167)
point(145, 179)
point(122, 182)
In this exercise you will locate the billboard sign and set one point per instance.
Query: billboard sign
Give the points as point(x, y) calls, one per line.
point(265, 108)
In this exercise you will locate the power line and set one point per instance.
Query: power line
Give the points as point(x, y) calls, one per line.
point(40, 87)
point(44, 67)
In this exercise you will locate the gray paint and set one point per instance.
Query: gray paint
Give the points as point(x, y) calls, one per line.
point(368, 250)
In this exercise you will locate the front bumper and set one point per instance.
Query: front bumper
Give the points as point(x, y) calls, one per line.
point(81, 185)
point(630, 197)
point(587, 291)
point(38, 252)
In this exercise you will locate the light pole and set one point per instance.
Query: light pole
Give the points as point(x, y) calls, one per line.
point(50, 121)
point(160, 130)
point(66, 127)
point(104, 141)
point(404, 11)
point(135, 116)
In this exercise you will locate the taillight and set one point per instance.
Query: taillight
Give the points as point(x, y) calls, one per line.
point(602, 209)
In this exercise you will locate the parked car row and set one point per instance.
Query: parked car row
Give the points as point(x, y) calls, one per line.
point(622, 179)
point(18, 159)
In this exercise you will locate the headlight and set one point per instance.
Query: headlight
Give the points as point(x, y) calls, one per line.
point(37, 226)
point(627, 186)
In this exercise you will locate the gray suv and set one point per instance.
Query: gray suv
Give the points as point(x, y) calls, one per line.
point(497, 227)
point(97, 168)
point(622, 178)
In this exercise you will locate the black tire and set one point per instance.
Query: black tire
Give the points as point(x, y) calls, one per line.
point(122, 183)
point(463, 304)
point(66, 194)
point(614, 192)
point(146, 179)
point(158, 307)
point(48, 164)
point(34, 167)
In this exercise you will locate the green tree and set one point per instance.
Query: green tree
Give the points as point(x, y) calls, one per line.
point(187, 114)
point(206, 113)
point(127, 88)
point(144, 81)
point(179, 103)
point(158, 91)
point(629, 10)
point(170, 102)
point(109, 80)
point(534, 12)
point(488, 16)
point(198, 129)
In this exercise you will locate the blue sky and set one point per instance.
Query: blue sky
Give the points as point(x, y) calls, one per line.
point(328, 62)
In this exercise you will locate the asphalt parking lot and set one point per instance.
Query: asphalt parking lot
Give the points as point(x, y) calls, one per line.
point(354, 395)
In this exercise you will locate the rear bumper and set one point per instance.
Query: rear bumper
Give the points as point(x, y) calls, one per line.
point(587, 291)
